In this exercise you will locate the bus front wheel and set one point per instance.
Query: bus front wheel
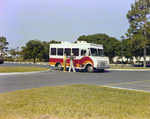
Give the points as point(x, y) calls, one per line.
point(90, 69)
point(59, 67)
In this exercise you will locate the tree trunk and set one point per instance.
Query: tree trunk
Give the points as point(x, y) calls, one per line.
point(145, 46)
point(144, 56)
point(34, 60)
point(110, 60)
point(127, 59)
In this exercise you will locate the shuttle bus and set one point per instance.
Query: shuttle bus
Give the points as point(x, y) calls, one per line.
point(88, 56)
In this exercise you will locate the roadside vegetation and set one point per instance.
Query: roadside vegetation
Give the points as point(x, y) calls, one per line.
point(21, 69)
point(74, 102)
point(124, 67)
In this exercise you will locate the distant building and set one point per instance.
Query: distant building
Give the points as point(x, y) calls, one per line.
point(115, 59)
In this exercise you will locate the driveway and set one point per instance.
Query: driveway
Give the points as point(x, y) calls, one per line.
point(117, 79)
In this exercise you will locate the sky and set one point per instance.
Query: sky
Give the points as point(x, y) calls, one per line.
point(61, 20)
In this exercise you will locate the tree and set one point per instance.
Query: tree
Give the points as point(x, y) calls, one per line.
point(139, 25)
point(54, 42)
point(112, 46)
point(33, 49)
point(127, 49)
point(46, 48)
point(3, 44)
point(37, 49)
point(148, 44)
point(13, 52)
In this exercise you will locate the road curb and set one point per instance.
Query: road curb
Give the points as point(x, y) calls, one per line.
point(28, 63)
point(18, 73)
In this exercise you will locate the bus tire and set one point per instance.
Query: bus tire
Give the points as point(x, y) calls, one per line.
point(90, 68)
point(59, 67)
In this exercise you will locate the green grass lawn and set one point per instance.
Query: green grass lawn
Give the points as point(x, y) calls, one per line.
point(21, 69)
point(75, 102)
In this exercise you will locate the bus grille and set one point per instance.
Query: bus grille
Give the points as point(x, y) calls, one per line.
point(102, 63)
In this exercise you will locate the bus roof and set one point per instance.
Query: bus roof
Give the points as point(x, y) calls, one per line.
point(79, 44)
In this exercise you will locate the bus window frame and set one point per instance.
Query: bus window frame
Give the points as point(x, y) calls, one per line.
point(102, 53)
point(75, 53)
point(55, 52)
point(66, 53)
point(62, 51)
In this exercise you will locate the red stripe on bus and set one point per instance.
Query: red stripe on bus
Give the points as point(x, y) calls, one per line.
point(75, 62)
point(85, 59)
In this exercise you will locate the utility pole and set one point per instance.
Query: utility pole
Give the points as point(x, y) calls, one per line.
point(122, 37)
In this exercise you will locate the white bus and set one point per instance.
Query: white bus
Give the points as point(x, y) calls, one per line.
point(88, 56)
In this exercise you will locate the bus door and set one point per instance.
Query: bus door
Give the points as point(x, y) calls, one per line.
point(68, 53)
point(75, 51)
point(83, 54)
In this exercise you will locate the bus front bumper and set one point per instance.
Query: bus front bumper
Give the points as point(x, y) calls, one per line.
point(102, 67)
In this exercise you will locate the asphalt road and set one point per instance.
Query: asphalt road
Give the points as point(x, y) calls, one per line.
point(134, 80)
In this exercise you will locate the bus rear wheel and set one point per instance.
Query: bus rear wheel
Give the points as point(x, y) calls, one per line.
point(59, 67)
point(90, 69)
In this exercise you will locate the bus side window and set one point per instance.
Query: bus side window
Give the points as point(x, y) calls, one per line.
point(83, 52)
point(60, 51)
point(68, 51)
point(75, 51)
point(53, 51)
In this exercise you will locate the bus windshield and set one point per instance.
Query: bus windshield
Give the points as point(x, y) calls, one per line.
point(94, 52)
point(97, 52)
point(100, 52)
